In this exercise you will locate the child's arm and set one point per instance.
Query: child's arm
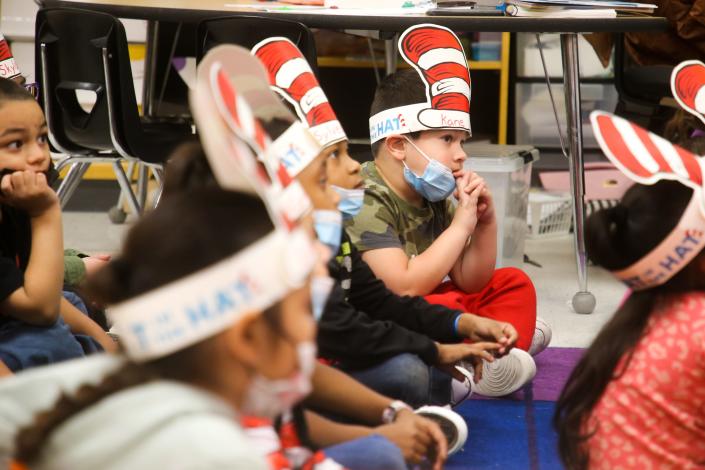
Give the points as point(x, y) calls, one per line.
point(423, 273)
point(37, 301)
point(81, 324)
point(416, 437)
point(476, 264)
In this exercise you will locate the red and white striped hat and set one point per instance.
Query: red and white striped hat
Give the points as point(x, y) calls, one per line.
point(211, 300)
point(436, 53)
point(8, 66)
point(291, 76)
point(647, 158)
point(234, 84)
point(688, 87)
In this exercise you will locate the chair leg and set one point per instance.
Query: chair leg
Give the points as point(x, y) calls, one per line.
point(71, 181)
point(142, 182)
point(159, 178)
point(117, 213)
point(124, 183)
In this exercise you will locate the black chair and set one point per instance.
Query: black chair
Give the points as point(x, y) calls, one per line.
point(79, 52)
point(246, 31)
point(644, 90)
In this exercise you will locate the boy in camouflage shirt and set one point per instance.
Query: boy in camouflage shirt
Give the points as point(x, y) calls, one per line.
point(408, 230)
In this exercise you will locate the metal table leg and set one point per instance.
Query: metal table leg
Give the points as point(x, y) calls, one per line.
point(583, 301)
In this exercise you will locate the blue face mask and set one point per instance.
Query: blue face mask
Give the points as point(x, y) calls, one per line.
point(329, 228)
point(321, 287)
point(350, 201)
point(437, 181)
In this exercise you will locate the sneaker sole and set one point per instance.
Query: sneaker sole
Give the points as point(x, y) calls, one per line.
point(451, 423)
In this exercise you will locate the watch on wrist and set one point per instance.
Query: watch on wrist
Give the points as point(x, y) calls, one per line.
point(389, 415)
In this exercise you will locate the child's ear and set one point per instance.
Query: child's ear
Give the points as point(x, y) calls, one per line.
point(396, 146)
point(243, 340)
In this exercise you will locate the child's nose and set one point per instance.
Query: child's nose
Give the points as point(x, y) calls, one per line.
point(354, 166)
point(37, 157)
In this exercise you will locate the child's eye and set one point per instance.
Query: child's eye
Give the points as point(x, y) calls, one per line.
point(334, 154)
point(43, 139)
point(15, 145)
point(447, 139)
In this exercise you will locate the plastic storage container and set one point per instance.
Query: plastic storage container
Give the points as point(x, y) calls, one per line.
point(535, 122)
point(549, 214)
point(507, 171)
point(529, 58)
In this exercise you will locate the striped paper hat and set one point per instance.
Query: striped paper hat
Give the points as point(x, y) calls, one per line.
point(205, 303)
point(237, 77)
point(688, 87)
point(8, 66)
point(291, 76)
point(436, 53)
point(647, 158)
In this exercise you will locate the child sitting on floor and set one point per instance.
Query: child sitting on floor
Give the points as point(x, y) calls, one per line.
point(409, 231)
point(385, 341)
point(36, 322)
point(637, 397)
point(216, 101)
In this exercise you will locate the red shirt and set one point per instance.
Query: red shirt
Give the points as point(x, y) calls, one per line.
point(653, 416)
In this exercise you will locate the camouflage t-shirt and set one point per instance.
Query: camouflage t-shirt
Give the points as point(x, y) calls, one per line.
point(387, 221)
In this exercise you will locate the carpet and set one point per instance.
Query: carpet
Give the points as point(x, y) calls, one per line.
point(515, 432)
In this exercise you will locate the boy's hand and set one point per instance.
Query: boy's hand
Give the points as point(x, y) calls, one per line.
point(418, 438)
point(468, 193)
point(476, 328)
point(29, 191)
point(451, 354)
point(485, 203)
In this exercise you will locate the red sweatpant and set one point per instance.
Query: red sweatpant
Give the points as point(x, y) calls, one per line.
point(509, 297)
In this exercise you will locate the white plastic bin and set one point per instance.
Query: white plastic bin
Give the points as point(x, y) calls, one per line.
point(550, 214)
point(535, 122)
point(507, 171)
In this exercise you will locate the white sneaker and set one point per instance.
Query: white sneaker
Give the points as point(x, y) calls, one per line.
point(542, 336)
point(451, 423)
point(505, 375)
point(461, 391)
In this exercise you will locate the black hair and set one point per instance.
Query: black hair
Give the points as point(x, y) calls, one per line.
point(401, 88)
point(615, 239)
point(679, 130)
point(13, 91)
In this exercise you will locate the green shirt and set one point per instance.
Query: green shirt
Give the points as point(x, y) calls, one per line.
point(388, 221)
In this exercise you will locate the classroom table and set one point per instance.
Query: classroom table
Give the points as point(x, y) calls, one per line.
point(185, 11)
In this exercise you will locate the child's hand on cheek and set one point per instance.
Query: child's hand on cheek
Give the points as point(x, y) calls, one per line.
point(466, 210)
point(485, 207)
point(29, 191)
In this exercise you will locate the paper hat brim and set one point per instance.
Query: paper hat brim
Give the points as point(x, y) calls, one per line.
point(688, 87)
point(616, 137)
point(8, 65)
point(674, 253)
point(203, 304)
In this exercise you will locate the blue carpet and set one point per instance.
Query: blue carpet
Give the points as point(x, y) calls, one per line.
point(507, 434)
point(515, 432)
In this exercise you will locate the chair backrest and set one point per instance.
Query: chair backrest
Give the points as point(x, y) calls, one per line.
point(74, 51)
point(246, 31)
point(641, 85)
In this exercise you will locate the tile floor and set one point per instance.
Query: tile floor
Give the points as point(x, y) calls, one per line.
point(556, 280)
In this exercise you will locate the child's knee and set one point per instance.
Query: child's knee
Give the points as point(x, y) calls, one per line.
point(411, 379)
point(514, 278)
